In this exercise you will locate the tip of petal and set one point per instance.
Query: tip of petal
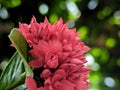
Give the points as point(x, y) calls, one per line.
point(86, 48)
point(33, 19)
point(46, 20)
point(59, 22)
point(20, 24)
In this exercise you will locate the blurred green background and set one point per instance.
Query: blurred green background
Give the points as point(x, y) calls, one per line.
point(98, 20)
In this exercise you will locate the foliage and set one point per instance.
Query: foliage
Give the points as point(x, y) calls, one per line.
point(14, 73)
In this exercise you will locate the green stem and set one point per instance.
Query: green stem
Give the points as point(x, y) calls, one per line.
point(17, 83)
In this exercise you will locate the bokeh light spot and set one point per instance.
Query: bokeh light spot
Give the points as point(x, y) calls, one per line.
point(111, 20)
point(71, 24)
point(90, 59)
point(117, 13)
point(104, 56)
point(53, 18)
point(110, 42)
point(92, 4)
point(15, 3)
point(3, 13)
point(106, 11)
point(4, 63)
point(95, 67)
point(84, 32)
point(43, 8)
point(109, 82)
point(100, 15)
point(91, 62)
point(118, 62)
point(96, 51)
point(73, 9)
point(95, 79)
point(117, 17)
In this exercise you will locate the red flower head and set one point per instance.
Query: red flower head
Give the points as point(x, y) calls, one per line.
point(58, 53)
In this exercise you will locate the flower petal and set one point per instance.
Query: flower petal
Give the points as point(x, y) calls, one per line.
point(86, 48)
point(45, 73)
point(36, 53)
point(67, 85)
point(76, 61)
point(36, 63)
point(30, 83)
point(59, 75)
point(41, 88)
point(43, 46)
point(52, 63)
point(81, 84)
point(55, 46)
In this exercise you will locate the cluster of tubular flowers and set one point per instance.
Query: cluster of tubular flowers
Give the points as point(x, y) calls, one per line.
point(58, 56)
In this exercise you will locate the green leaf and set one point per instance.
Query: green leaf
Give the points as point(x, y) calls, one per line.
point(12, 75)
point(21, 87)
point(21, 46)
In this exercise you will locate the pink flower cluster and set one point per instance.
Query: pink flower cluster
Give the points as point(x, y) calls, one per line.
point(58, 50)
